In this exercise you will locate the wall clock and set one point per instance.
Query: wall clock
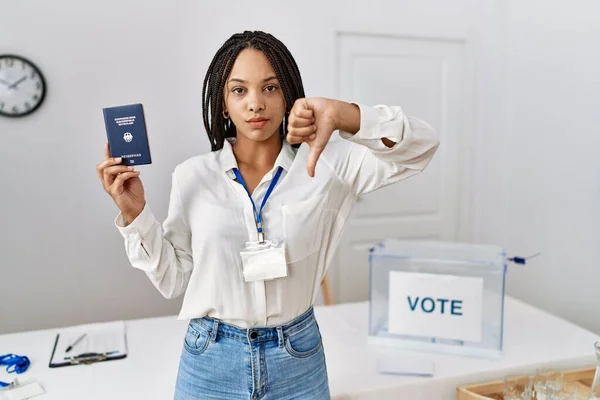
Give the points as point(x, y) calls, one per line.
point(22, 86)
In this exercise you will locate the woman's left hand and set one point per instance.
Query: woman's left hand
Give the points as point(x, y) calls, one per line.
point(313, 120)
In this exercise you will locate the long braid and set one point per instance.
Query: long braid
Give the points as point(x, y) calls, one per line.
point(217, 127)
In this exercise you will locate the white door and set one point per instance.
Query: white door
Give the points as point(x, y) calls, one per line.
point(426, 78)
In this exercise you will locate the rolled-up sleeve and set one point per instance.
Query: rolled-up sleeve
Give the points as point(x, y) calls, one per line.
point(372, 164)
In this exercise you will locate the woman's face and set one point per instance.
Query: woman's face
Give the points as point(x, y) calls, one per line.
point(253, 97)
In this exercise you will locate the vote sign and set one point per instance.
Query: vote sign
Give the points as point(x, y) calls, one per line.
point(434, 305)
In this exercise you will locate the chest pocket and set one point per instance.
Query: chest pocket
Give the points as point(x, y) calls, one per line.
point(303, 227)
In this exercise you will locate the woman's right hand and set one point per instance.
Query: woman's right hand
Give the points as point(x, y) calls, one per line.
point(123, 184)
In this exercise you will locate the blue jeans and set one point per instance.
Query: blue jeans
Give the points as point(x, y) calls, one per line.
point(222, 361)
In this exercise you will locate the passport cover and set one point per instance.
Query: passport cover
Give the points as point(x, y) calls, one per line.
point(126, 134)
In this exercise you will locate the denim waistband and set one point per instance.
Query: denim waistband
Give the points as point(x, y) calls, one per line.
point(263, 334)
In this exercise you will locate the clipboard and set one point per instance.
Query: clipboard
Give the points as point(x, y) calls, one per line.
point(102, 342)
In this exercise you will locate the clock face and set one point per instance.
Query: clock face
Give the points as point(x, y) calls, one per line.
point(22, 86)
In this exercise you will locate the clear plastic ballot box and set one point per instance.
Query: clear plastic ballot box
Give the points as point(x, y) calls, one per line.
point(437, 296)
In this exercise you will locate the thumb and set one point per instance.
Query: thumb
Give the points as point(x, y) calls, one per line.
point(315, 152)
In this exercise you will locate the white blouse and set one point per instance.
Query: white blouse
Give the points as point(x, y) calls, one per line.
point(196, 251)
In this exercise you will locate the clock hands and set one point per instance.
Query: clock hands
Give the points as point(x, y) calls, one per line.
point(14, 85)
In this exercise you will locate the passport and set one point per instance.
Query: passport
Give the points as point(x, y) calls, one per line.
point(126, 134)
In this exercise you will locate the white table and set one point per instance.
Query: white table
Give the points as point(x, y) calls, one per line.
point(532, 338)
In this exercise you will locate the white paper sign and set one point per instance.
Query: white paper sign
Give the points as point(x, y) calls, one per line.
point(432, 305)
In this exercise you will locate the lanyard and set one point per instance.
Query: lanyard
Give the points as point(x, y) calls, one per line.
point(261, 237)
point(14, 363)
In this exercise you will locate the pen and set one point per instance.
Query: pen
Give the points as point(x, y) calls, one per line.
point(77, 341)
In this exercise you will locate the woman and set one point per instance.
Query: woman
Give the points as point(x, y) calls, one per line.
point(253, 225)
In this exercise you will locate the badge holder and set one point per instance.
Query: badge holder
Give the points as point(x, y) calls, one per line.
point(264, 260)
point(17, 390)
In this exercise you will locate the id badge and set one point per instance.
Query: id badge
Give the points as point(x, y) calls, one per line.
point(263, 261)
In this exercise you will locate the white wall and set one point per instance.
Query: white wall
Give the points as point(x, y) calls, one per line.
point(538, 180)
point(62, 261)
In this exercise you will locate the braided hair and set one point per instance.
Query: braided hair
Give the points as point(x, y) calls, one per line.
point(217, 127)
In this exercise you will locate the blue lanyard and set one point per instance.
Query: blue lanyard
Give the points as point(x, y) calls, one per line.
point(261, 237)
point(14, 363)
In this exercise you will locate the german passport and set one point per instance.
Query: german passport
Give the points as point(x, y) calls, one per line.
point(126, 134)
